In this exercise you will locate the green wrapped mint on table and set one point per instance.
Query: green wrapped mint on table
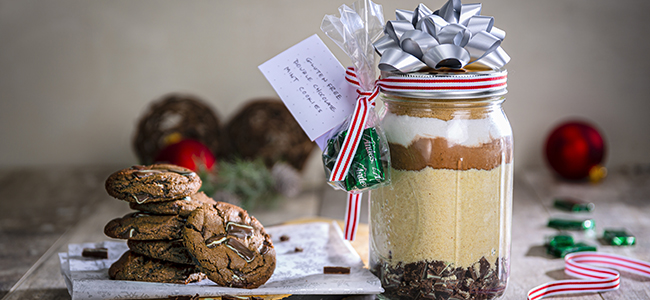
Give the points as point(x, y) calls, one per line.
point(367, 169)
point(619, 237)
point(564, 224)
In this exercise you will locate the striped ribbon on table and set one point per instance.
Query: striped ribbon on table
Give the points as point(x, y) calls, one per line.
point(595, 270)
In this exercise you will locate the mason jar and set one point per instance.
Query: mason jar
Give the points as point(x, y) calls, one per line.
point(441, 228)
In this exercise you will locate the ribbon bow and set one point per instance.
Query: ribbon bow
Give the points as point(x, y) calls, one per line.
point(365, 102)
point(454, 36)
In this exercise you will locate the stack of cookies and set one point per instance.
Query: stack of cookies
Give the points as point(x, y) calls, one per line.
point(179, 235)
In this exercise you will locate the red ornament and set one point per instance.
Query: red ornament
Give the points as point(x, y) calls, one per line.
point(187, 153)
point(575, 150)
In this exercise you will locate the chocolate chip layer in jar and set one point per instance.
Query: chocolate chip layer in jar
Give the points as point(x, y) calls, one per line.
point(441, 228)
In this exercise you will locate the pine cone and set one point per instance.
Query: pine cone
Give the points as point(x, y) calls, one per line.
point(177, 114)
point(265, 129)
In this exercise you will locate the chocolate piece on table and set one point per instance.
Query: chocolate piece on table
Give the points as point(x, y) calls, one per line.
point(95, 252)
point(336, 270)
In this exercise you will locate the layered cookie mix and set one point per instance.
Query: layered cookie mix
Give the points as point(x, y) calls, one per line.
point(449, 196)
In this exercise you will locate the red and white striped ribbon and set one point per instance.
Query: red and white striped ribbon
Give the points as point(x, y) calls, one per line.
point(482, 82)
point(352, 213)
point(594, 278)
point(365, 102)
point(362, 109)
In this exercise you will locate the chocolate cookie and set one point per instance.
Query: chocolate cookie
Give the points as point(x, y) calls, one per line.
point(154, 183)
point(172, 251)
point(132, 266)
point(229, 246)
point(182, 207)
point(143, 226)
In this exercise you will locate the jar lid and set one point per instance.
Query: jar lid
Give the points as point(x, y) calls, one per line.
point(445, 85)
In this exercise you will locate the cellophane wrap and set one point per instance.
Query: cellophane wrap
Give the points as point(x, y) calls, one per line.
point(350, 168)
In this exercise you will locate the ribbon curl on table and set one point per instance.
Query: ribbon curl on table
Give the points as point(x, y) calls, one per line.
point(593, 278)
point(454, 36)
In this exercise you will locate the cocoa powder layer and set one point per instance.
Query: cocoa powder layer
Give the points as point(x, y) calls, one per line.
point(439, 153)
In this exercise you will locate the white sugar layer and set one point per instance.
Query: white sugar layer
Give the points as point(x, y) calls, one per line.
point(404, 129)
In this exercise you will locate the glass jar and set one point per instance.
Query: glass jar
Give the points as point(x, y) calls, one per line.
point(441, 228)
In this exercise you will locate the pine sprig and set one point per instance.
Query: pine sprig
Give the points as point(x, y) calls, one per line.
point(250, 181)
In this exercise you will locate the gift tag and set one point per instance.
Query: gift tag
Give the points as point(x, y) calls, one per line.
point(311, 83)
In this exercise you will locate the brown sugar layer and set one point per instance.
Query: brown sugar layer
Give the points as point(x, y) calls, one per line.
point(439, 153)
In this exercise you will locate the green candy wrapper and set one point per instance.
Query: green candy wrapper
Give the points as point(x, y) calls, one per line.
point(618, 237)
point(563, 224)
point(563, 251)
point(561, 240)
point(573, 205)
point(563, 244)
point(368, 168)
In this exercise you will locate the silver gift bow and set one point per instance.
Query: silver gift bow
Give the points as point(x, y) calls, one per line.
point(454, 36)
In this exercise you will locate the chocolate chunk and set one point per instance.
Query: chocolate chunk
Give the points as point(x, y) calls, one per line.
point(298, 249)
point(240, 249)
point(215, 240)
point(239, 230)
point(95, 252)
point(415, 271)
point(140, 173)
point(140, 198)
point(195, 297)
point(439, 280)
point(231, 297)
point(284, 238)
point(336, 270)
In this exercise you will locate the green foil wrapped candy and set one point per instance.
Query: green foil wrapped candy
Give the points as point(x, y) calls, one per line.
point(367, 169)
point(619, 237)
point(573, 205)
point(577, 247)
point(564, 224)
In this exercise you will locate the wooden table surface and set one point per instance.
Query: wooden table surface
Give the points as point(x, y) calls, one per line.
point(44, 209)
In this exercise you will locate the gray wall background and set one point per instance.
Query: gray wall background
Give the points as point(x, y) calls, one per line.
point(76, 75)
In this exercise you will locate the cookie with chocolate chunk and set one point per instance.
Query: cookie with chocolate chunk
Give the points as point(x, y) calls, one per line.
point(182, 207)
point(154, 183)
point(229, 246)
point(136, 267)
point(172, 251)
point(143, 226)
